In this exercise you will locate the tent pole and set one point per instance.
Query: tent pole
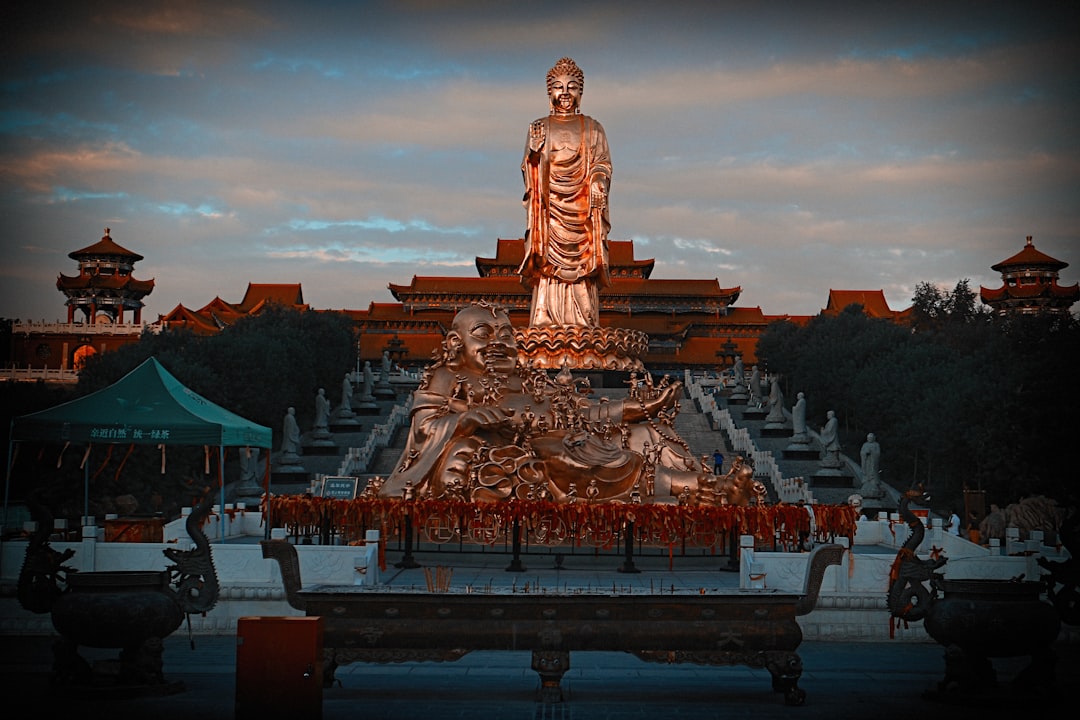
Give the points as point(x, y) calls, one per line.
point(266, 494)
point(86, 484)
point(7, 474)
point(221, 484)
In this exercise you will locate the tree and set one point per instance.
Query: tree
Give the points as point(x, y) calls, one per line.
point(935, 310)
point(964, 401)
point(280, 358)
point(256, 368)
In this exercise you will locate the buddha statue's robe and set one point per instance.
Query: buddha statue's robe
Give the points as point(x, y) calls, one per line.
point(566, 251)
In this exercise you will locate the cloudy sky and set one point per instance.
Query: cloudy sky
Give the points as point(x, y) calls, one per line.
point(787, 148)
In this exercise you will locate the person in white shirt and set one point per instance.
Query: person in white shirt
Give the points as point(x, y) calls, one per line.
point(953, 525)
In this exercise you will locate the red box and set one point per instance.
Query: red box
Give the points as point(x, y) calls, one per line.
point(135, 530)
point(279, 667)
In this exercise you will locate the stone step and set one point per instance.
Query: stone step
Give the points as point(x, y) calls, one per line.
point(387, 458)
point(693, 427)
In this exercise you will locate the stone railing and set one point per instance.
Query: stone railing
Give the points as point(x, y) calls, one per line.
point(44, 374)
point(57, 327)
point(358, 460)
point(851, 606)
point(788, 490)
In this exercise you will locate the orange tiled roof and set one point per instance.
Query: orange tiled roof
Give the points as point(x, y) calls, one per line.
point(373, 309)
point(745, 316)
point(1030, 291)
point(511, 285)
point(1029, 257)
point(873, 303)
point(673, 288)
point(621, 252)
point(800, 320)
point(507, 252)
point(259, 293)
point(218, 313)
point(501, 285)
point(105, 246)
point(391, 311)
point(220, 307)
point(104, 282)
point(182, 317)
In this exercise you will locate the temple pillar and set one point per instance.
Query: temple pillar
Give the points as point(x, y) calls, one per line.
point(138, 316)
point(71, 314)
point(93, 313)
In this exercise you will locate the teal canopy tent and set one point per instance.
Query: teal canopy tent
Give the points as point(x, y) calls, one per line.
point(148, 406)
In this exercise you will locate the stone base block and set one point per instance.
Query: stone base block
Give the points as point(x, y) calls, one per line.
point(323, 449)
point(801, 454)
point(831, 481)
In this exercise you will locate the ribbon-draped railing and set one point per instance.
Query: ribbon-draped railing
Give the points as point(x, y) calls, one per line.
point(582, 522)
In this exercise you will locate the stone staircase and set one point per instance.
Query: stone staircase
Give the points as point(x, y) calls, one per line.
point(387, 458)
point(695, 429)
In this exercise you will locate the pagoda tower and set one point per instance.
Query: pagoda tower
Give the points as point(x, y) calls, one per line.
point(1030, 285)
point(105, 287)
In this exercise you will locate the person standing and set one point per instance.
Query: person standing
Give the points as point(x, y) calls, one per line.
point(952, 526)
point(718, 462)
point(973, 527)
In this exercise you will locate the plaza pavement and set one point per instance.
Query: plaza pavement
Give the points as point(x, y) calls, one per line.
point(842, 680)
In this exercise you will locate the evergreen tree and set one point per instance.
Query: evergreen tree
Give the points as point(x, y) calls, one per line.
point(961, 400)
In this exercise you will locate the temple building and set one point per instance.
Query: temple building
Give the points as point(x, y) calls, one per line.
point(104, 312)
point(690, 323)
point(217, 314)
point(1030, 285)
point(105, 287)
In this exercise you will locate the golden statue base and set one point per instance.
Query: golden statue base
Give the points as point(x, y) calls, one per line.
point(583, 348)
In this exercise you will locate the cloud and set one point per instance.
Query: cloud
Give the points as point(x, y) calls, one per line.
point(348, 145)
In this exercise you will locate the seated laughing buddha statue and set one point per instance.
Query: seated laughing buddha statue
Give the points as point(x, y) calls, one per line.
point(487, 427)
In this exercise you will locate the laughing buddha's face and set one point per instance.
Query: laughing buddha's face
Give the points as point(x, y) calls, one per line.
point(486, 339)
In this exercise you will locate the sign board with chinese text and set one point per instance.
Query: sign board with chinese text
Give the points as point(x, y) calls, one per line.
point(339, 488)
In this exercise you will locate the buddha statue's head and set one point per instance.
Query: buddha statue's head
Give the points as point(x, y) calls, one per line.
point(481, 338)
point(565, 85)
